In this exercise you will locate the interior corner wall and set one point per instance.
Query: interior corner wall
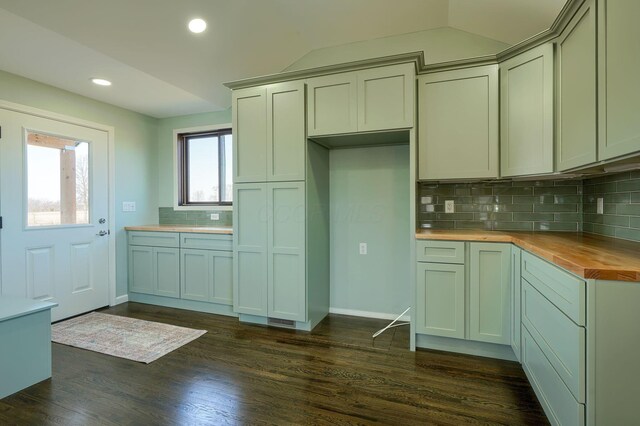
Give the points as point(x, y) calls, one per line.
point(166, 143)
point(369, 196)
point(136, 167)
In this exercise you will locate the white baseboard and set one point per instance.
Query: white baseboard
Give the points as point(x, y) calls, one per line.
point(367, 314)
point(121, 299)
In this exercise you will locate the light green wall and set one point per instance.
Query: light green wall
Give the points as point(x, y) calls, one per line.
point(165, 147)
point(369, 195)
point(439, 45)
point(136, 166)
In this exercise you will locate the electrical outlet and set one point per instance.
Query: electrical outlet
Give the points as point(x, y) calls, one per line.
point(128, 206)
point(363, 248)
point(600, 205)
point(426, 200)
point(449, 206)
point(215, 216)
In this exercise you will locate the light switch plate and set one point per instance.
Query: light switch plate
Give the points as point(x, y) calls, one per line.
point(128, 206)
point(449, 206)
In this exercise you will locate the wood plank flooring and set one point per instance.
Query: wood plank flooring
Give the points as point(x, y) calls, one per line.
point(248, 374)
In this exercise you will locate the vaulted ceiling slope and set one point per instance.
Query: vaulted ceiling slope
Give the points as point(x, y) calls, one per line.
point(160, 69)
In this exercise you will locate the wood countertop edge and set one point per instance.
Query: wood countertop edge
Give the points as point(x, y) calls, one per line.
point(582, 269)
point(179, 228)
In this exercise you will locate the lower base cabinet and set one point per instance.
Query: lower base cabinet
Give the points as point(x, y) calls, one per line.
point(154, 270)
point(440, 295)
point(206, 275)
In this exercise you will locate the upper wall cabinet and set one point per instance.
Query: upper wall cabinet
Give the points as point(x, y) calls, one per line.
point(619, 67)
point(526, 113)
point(362, 101)
point(576, 138)
point(458, 124)
point(269, 132)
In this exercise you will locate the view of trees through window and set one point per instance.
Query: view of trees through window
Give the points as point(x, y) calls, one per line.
point(57, 181)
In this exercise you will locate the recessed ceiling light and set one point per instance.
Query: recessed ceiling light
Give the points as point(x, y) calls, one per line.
point(197, 25)
point(101, 82)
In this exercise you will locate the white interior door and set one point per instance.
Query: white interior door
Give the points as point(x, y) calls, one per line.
point(54, 244)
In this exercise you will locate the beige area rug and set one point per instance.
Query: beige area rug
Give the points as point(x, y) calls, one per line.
point(130, 338)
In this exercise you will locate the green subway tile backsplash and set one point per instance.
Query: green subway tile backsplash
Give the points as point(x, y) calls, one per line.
point(514, 206)
point(169, 216)
point(621, 218)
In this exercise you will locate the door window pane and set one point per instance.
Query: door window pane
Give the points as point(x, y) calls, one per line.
point(57, 180)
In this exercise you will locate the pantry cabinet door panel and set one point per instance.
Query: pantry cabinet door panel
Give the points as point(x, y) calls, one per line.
point(249, 135)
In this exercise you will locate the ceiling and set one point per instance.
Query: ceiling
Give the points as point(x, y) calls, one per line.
point(160, 69)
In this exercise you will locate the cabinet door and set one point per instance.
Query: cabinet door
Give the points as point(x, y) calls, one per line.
point(489, 293)
point(195, 271)
point(249, 135)
point(166, 271)
point(221, 267)
point(286, 254)
point(440, 300)
point(332, 104)
point(515, 302)
point(141, 269)
point(576, 142)
point(458, 124)
point(250, 249)
point(286, 138)
point(526, 113)
point(618, 70)
point(386, 98)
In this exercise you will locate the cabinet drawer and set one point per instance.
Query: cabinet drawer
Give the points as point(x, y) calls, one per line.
point(155, 239)
point(206, 241)
point(564, 290)
point(440, 251)
point(562, 342)
point(556, 399)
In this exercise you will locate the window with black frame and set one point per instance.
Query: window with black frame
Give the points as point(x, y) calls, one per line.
point(205, 168)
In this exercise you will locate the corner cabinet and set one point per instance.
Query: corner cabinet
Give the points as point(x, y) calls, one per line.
point(268, 126)
point(375, 99)
point(458, 124)
point(576, 139)
point(526, 113)
point(618, 70)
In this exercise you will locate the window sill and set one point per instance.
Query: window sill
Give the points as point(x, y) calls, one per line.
point(204, 208)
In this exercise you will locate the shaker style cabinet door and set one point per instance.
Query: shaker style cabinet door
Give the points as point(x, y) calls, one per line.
point(490, 292)
point(332, 104)
point(249, 135)
point(576, 138)
point(618, 70)
point(286, 138)
point(458, 124)
point(526, 113)
point(440, 300)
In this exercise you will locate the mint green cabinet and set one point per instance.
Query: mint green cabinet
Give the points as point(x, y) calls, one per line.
point(516, 289)
point(576, 138)
point(526, 113)
point(618, 69)
point(440, 306)
point(368, 100)
point(250, 249)
point(207, 275)
point(458, 124)
point(154, 270)
point(269, 133)
point(489, 293)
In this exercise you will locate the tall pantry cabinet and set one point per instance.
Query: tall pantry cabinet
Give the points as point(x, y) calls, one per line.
point(275, 201)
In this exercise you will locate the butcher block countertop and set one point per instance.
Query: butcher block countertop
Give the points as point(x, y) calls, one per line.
point(183, 228)
point(586, 255)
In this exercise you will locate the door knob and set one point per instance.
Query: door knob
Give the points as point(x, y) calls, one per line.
point(103, 233)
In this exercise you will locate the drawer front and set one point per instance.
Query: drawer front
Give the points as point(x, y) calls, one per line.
point(561, 341)
point(206, 241)
point(440, 251)
point(556, 399)
point(564, 290)
point(155, 239)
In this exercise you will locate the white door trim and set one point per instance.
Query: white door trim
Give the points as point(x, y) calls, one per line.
point(111, 178)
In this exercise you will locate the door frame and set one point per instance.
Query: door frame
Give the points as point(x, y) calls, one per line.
point(110, 130)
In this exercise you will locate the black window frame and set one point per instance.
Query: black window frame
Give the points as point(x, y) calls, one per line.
point(183, 167)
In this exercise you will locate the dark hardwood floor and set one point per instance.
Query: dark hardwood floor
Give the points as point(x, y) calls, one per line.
point(247, 374)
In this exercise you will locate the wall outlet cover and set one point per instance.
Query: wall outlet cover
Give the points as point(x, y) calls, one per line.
point(363, 248)
point(215, 216)
point(449, 206)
